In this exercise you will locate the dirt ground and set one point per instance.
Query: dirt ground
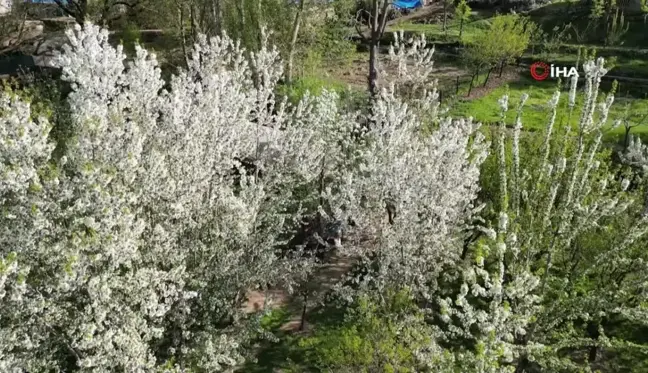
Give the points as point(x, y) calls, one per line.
point(323, 280)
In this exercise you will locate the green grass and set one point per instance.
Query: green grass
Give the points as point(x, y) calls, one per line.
point(549, 16)
point(633, 67)
point(434, 32)
point(312, 83)
point(286, 354)
point(561, 13)
point(536, 114)
point(486, 109)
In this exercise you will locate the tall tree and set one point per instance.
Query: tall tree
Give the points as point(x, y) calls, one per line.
point(293, 40)
point(446, 6)
point(103, 11)
point(506, 39)
point(377, 21)
point(462, 13)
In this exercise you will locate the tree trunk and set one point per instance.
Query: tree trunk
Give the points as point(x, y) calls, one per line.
point(445, 16)
point(522, 365)
point(592, 332)
point(461, 28)
point(240, 4)
point(373, 50)
point(626, 138)
point(302, 323)
point(104, 14)
point(373, 72)
point(523, 362)
point(195, 27)
point(293, 41)
point(182, 35)
point(472, 81)
point(217, 17)
point(487, 76)
point(259, 20)
point(501, 70)
point(82, 13)
point(377, 30)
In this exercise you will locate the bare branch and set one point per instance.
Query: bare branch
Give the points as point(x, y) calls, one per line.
point(358, 23)
point(386, 4)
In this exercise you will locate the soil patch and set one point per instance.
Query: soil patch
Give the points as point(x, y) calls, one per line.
point(493, 82)
point(324, 278)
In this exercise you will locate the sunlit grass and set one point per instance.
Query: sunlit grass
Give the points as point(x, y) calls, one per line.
point(435, 32)
point(536, 114)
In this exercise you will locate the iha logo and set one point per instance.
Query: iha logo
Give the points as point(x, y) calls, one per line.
point(541, 71)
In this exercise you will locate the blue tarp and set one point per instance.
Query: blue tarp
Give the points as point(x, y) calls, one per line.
point(407, 4)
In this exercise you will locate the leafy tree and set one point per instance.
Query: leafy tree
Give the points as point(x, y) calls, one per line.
point(631, 119)
point(101, 11)
point(377, 14)
point(446, 6)
point(506, 39)
point(323, 40)
point(551, 42)
point(616, 29)
point(462, 14)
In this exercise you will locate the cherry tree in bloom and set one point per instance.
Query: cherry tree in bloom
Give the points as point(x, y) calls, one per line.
point(525, 301)
point(134, 250)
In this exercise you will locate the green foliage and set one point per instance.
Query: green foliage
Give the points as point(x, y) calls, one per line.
point(130, 36)
point(323, 42)
point(551, 42)
point(616, 29)
point(344, 9)
point(274, 319)
point(374, 337)
point(333, 45)
point(311, 84)
point(485, 109)
point(597, 9)
point(462, 15)
point(462, 11)
point(506, 40)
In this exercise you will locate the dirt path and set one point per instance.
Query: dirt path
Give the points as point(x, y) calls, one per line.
point(322, 281)
point(494, 82)
point(422, 13)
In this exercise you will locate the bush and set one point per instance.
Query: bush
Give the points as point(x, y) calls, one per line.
point(375, 336)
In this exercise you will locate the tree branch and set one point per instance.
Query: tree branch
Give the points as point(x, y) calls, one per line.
point(386, 4)
point(357, 24)
point(65, 8)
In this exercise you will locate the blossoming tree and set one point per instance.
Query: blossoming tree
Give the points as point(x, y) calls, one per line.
point(134, 249)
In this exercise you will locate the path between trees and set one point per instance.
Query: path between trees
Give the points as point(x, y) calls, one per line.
point(322, 281)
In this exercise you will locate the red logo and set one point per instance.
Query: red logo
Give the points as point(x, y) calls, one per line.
point(542, 67)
